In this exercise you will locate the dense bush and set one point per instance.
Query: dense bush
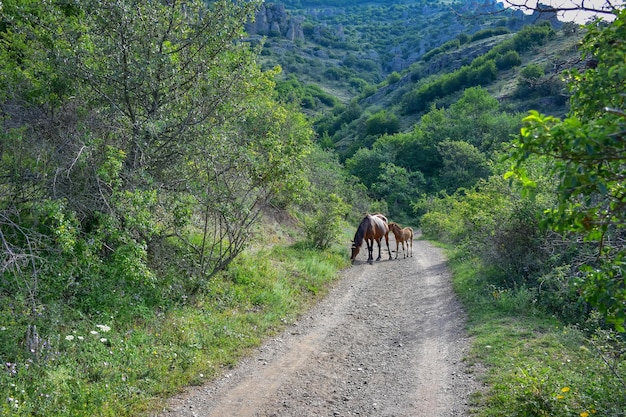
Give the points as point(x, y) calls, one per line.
point(323, 227)
point(529, 80)
point(452, 44)
point(419, 99)
point(381, 123)
point(585, 152)
point(308, 96)
point(393, 78)
point(339, 116)
point(509, 60)
point(493, 223)
point(488, 33)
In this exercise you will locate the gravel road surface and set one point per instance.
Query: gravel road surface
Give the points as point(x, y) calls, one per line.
point(388, 340)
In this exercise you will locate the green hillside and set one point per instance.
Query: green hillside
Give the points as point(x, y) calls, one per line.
point(350, 47)
point(366, 75)
point(352, 61)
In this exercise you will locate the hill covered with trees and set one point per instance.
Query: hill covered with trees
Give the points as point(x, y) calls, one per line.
point(367, 76)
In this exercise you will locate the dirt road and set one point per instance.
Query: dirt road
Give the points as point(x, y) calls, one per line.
point(387, 341)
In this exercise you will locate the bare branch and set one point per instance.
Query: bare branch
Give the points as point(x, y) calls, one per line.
point(606, 7)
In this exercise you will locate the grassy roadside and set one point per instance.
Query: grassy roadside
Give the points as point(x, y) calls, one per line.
point(536, 365)
point(123, 366)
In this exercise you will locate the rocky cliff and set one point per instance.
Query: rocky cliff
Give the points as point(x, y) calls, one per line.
point(274, 20)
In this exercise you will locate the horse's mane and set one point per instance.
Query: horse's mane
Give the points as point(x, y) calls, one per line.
point(360, 231)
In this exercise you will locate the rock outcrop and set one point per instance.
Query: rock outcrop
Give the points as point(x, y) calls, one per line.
point(274, 20)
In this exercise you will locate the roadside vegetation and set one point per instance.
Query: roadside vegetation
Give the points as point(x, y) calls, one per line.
point(536, 363)
point(539, 258)
point(125, 362)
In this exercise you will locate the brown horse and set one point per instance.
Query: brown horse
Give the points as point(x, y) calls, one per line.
point(402, 235)
point(373, 227)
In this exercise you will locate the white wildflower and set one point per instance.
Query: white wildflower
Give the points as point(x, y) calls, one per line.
point(103, 327)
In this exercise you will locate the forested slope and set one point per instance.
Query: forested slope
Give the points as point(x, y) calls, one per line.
point(390, 135)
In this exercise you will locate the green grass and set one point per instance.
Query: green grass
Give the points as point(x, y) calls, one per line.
point(125, 365)
point(536, 365)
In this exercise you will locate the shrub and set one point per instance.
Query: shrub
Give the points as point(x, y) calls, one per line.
point(488, 33)
point(381, 123)
point(393, 78)
point(323, 227)
point(509, 60)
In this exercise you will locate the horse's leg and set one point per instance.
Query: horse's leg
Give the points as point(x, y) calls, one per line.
point(370, 250)
point(377, 241)
point(389, 250)
point(397, 246)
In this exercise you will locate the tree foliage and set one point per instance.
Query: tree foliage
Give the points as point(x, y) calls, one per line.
point(449, 148)
point(381, 123)
point(135, 136)
point(586, 153)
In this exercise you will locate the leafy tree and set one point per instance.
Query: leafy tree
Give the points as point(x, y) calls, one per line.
point(483, 74)
point(463, 165)
point(529, 79)
point(399, 188)
point(323, 228)
point(587, 155)
point(366, 164)
point(413, 150)
point(509, 60)
point(393, 78)
point(381, 123)
point(339, 116)
point(476, 118)
point(358, 84)
point(488, 33)
point(331, 195)
point(534, 35)
point(464, 38)
point(158, 126)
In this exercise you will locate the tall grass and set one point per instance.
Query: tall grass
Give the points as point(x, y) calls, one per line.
point(536, 365)
point(111, 364)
